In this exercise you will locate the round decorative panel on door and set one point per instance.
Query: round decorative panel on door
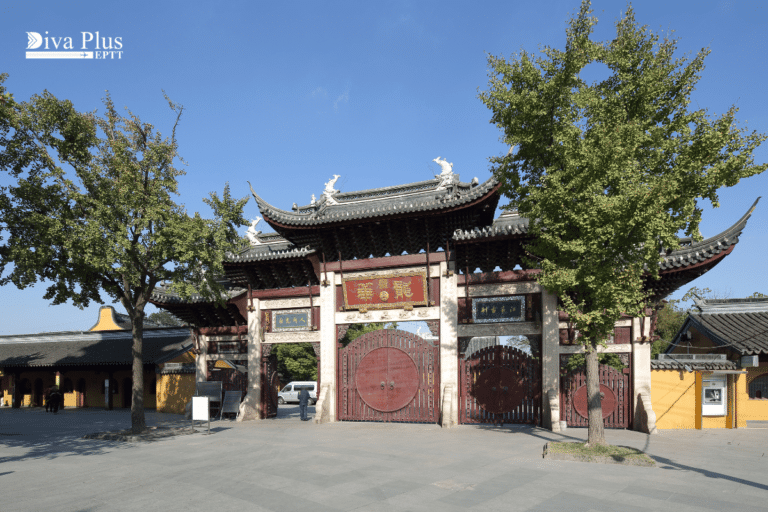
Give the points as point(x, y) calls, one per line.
point(387, 379)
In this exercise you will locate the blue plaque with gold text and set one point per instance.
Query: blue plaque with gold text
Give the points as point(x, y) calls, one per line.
point(498, 309)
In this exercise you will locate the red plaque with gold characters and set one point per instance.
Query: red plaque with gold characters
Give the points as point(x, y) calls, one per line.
point(390, 291)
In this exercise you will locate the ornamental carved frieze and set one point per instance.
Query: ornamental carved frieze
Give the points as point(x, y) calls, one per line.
point(316, 348)
point(341, 330)
point(434, 327)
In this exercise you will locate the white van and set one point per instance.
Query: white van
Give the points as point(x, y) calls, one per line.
point(290, 393)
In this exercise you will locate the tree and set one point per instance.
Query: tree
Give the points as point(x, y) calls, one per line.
point(164, 318)
point(608, 172)
point(669, 320)
point(296, 361)
point(103, 219)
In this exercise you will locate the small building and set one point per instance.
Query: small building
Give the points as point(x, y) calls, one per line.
point(81, 363)
point(715, 372)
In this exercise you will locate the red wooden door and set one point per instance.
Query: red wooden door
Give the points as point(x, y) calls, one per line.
point(270, 385)
point(614, 391)
point(389, 375)
point(499, 384)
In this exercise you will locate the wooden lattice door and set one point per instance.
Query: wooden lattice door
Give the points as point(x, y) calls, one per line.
point(389, 375)
point(614, 391)
point(270, 385)
point(500, 384)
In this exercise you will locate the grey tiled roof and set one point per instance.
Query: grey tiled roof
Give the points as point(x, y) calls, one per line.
point(422, 196)
point(91, 348)
point(692, 253)
point(669, 364)
point(272, 247)
point(746, 332)
point(165, 295)
point(509, 223)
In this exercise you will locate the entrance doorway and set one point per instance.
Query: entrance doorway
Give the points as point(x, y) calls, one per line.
point(389, 375)
point(500, 384)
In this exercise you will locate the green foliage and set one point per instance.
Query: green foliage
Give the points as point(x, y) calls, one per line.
point(101, 217)
point(578, 362)
point(165, 318)
point(758, 295)
point(296, 361)
point(357, 330)
point(609, 172)
point(668, 322)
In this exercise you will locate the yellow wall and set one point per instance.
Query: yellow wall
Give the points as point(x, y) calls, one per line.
point(753, 409)
point(675, 399)
point(673, 395)
point(174, 391)
point(94, 397)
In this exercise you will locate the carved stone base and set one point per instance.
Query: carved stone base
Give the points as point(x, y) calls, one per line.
point(249, 409)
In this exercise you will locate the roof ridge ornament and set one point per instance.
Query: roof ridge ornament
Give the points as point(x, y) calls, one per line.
point(447, 177)
point(252, 234)
point(329, 191)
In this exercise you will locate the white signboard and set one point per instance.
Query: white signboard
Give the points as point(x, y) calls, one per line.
point(200, 408)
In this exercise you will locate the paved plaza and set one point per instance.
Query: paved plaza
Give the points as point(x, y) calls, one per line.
point(285, 465)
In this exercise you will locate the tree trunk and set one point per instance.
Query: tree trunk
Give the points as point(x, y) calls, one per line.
point(596, 431)
point(138, 423)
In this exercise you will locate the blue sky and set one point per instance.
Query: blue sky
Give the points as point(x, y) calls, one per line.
point(286, 94)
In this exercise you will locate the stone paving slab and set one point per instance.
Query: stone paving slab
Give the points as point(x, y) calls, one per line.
point(286, 464)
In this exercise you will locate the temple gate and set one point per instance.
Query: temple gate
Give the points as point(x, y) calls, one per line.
point(428, 251)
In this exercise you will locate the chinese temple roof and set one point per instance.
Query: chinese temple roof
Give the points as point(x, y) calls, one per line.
point(198, 310)
point(385, 221)
point(420, 197)
point(403, 219)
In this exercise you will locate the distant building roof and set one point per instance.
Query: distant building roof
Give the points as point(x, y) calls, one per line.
point(91, 348)
point(738, 324)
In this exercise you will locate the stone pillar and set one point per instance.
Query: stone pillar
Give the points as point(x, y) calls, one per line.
point(550, 358)
point(449, 346)
point(328, 343)
point(250, 408)
point(641, 368)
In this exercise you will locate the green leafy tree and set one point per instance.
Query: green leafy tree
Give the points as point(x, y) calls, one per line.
point(102, 219)
point(608, 172)
point(164, 318)
point(669, 320)
point(296, 361)
point(357, 330)
point(577, 362)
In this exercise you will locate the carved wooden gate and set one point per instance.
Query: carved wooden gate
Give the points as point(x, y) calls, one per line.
point(389, 375)
point(270, 384)
point(500, 384)
point(616, 398)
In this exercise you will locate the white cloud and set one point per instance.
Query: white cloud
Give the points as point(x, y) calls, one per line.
point(319, 93)
point(344, 98)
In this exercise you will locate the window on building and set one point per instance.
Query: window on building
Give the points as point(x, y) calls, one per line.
point(758, 388)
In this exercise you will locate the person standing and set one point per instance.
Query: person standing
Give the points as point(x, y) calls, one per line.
point(55, 399)
point(303, 402)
